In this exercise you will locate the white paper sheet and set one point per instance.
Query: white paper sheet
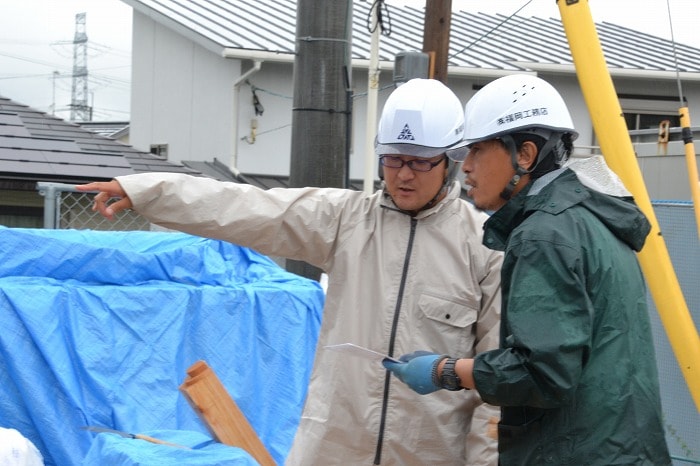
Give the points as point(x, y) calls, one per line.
point(355, 350)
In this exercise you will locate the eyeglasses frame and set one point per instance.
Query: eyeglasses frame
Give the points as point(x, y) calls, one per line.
point(411, 162)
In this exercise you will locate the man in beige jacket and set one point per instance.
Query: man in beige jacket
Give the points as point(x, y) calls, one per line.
point(406, 269)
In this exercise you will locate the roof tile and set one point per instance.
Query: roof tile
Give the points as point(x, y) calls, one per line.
point(37, 146)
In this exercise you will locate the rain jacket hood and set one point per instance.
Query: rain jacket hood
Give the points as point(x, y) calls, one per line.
point(620, 215)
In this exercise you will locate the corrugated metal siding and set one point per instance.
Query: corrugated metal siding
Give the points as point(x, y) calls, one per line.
point(477, 40)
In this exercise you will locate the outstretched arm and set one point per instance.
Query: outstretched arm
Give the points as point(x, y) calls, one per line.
point(107, 190)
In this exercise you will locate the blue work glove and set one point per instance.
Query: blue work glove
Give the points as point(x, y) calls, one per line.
point(417, 370)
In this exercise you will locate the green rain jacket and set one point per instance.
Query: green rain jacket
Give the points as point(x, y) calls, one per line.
point(576, 374)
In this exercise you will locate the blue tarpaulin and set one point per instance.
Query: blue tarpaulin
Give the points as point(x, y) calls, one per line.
point(99, 328)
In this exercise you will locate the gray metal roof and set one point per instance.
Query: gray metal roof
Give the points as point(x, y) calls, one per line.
point(35, 146)
point(222, 172)
point(477, 41)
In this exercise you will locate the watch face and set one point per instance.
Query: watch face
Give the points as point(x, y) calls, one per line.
point(452, 383)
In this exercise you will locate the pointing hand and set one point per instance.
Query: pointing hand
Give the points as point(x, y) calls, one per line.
point(107, 190)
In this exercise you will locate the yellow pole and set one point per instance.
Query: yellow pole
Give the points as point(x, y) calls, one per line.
point(691, 163)
point(616, 145)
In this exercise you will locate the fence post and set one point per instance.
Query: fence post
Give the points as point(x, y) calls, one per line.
point(50, 193)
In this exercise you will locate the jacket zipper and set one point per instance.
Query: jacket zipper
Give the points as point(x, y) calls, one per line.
point(392, 340)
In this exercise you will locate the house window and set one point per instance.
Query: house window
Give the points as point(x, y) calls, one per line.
point(21, 216)
point(650, 120)
point(161, 150)
point(648, 112)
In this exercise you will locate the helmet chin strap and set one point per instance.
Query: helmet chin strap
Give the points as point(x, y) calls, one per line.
point(507, 192)
point(508, 140)
point(442, 189)
point(436, 197)
point(427, 206)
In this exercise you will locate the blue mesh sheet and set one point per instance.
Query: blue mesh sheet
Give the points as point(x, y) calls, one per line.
point(681, 417)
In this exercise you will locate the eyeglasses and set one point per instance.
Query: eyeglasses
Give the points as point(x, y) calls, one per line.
point(419, 165)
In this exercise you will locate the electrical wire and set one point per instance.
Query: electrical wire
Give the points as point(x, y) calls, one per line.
point(384, 29)
point(488, 33)
point(271, 130)
point(675, 56)
point(35, 61)
point(357, 95)
point(255, 88)
point(686, 134)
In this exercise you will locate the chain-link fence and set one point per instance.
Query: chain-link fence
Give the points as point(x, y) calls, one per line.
point(65, 207)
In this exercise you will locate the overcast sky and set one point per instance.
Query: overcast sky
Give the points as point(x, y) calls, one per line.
point(36, 40)
point(36, 50)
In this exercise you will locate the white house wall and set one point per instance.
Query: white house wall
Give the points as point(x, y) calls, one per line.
point(269, 151)
point(270, 154)
point(181, 95)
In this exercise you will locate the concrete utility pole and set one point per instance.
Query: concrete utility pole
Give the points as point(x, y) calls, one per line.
point(321, 111)
point(436, 36)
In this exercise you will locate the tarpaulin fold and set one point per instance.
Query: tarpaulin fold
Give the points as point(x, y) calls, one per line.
point(99, 328)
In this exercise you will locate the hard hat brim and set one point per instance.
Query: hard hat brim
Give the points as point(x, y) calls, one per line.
point(458, 154)
point(461, 153)
point(414, 150)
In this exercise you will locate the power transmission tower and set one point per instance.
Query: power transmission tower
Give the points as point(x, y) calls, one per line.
point(79, 109)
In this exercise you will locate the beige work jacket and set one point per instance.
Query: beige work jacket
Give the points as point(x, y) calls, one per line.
point(396, 284)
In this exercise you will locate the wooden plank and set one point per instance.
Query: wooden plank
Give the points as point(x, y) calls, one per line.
point(221, 415)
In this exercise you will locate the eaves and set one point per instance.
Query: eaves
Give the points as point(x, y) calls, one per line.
point(569, 69)
point(363, 64)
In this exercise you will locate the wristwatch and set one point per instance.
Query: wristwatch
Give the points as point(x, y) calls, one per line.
point(449, 378)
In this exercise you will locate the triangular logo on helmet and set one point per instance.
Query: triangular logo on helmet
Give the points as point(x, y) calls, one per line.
point(406, 134)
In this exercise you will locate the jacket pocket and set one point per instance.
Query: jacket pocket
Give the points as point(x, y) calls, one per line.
point(446, 323)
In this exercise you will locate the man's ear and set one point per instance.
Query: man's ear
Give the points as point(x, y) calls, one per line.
point(527, 155)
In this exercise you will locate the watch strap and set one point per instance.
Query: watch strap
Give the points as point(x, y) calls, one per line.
point(434, 372)
point(449, 380)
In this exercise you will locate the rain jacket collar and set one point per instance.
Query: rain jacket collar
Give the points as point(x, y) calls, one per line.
point(619, 214)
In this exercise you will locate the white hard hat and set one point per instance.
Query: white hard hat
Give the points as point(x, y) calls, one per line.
point(421, 118)
point(516, 103)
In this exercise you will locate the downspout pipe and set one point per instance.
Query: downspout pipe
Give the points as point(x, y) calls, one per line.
point(616, 145)
point(257, 64)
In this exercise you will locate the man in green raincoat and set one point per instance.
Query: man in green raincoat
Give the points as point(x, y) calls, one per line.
point(576, 373)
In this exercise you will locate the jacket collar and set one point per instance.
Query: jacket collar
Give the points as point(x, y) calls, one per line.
point(620, 215)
